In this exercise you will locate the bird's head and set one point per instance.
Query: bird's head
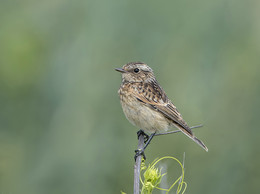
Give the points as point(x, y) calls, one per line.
point(136, 72)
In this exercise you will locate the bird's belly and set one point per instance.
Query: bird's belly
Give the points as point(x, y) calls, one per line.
point(145, 117)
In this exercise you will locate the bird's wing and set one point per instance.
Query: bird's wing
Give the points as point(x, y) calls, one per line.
point(151, 94)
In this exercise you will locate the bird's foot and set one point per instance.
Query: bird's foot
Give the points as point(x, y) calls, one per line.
point(141, 132)
point(139, 153)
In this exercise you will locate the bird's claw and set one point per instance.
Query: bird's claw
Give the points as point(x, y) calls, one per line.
point(139, 153)
point(141, 132)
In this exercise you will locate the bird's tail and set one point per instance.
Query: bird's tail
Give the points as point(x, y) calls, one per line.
point(190, 135)
point(200, 143)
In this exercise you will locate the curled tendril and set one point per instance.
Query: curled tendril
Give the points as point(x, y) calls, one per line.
point(152, 177)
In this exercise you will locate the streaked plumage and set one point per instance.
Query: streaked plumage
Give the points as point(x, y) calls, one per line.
point(145, 103)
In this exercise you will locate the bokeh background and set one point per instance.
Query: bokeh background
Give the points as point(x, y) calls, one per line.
point(62, 129)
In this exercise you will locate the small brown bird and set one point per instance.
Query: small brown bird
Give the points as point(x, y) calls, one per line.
point(146, 105)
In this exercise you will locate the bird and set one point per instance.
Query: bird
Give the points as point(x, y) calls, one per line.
point(146, 105)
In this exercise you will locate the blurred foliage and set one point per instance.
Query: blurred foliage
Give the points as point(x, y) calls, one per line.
point(62, 129)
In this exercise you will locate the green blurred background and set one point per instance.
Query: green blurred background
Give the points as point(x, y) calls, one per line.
point(62, 129)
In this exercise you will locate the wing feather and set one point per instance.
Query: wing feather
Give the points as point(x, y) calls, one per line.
point(151, 94)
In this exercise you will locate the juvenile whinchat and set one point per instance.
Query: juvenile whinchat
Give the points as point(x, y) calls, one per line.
point(146, 105)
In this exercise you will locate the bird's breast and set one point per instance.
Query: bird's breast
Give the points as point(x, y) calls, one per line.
point(141, 115)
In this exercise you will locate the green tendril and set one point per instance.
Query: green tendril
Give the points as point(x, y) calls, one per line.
point(153, 176)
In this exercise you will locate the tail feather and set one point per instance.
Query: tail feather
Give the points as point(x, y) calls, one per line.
point(200, 143)
point(195, 139)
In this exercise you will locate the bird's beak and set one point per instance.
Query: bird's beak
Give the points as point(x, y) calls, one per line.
point(120, 70)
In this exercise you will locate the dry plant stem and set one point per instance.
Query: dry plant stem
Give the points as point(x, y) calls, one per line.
point(138, 165)
point(157, 134)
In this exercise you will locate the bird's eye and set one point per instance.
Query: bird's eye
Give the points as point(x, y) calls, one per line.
point(136, 70)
